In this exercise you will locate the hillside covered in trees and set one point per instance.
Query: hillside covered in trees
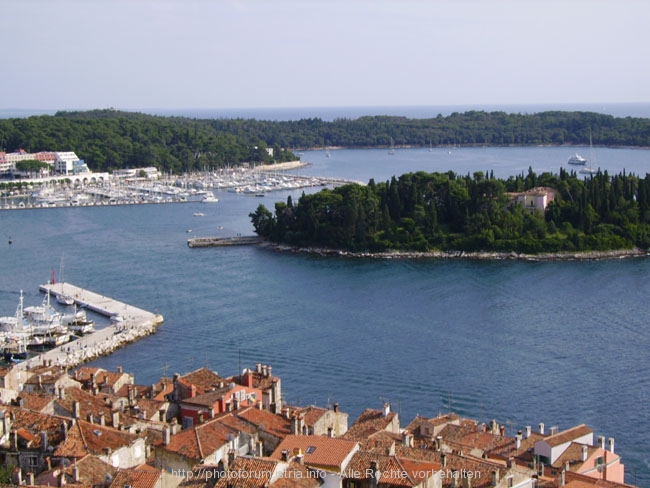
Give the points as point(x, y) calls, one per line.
point(109, 139)
point(446, 212)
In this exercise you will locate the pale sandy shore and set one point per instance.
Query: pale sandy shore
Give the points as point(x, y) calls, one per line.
point(280, 166)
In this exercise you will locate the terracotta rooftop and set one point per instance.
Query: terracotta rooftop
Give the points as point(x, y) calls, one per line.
point(203, 379)
point(274, 424)
point(394, 472)
point(319, 451)
point(86, 438)
point(199, 441)
point(136, 478)
point(369, 422)
point(248, 473)
point(35, 401)
point(568, 435)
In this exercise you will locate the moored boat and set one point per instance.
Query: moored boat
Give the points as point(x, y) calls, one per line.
point(577, 159)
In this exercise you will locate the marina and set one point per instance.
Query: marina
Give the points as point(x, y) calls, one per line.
point(130, 324)
point(193, 187)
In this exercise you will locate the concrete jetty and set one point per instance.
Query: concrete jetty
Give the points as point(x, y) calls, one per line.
point(135, 323)
point(224, 241)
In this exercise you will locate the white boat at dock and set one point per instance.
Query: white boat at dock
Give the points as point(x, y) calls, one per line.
point(78, 323)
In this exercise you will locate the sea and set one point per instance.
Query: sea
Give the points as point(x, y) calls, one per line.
point(521, 342)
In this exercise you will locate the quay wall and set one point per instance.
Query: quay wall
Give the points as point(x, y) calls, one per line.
point(136, 324)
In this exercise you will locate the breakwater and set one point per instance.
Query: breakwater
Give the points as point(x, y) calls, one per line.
point(224, 241)
point(133, 324)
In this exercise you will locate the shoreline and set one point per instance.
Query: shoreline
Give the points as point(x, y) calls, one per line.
point(466, 255)
point(280, 166)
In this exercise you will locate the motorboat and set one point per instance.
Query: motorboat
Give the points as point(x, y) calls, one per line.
point(15, 348)
point(209, 198)
point(577, 159)
point(78, 323)
point(64, 299)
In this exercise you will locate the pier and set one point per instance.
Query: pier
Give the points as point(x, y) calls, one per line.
point(135, 324)
point(224, 241)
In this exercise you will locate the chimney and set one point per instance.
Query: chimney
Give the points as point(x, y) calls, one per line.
point(248, 378)
point(502, 430)
point(439, 443)
point(528, 431)
point(44, 442)
point(75, 473)
point(259, 449)
point(115, 418)
point(76, 409)
point(119, 369)
point(102, 421)
point(518, 440)
point(407, 439)
point(285, 455)
point(64, 430)
point(90, 418)
point(269, 370)
point(300, 457)
point(258, 368)
point(541, 428)
point(13, 440)
point(443, 460)
point(601, 441)
point(167, 434)
point(610, 444)
point(61, 393)
point(563, 477)
point(336, 407)
point(386, 409)
point(554, 430)
point(62, 478)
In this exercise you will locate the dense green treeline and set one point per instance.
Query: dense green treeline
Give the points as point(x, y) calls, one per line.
point(444, 211)
point(108, 139)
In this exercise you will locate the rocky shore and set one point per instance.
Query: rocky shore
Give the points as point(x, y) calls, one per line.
point(478, 256)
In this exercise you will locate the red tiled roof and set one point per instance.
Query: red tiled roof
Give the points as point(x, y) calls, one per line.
point(247, 473)
point(136, 478)
point(274, 424)
point(568, 435)
point(369, 422)
point(319, 451)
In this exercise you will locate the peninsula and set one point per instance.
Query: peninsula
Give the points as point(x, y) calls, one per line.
point(448, 214)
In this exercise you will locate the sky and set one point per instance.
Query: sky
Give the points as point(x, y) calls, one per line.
point(177, 54)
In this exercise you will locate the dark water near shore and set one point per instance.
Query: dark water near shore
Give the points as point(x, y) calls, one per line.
point(522, 342)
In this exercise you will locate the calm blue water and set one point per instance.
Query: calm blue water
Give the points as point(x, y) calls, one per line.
point(559, 343)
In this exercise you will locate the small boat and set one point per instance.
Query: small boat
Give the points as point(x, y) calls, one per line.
point(64, 299)
point(209, 198)
point(587, 170)
point(391, 151)
point(577, 159)
point(15, 349)
point(78, 323)
point(199, 214)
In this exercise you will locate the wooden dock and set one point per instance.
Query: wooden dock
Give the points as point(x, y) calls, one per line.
point(136, 323)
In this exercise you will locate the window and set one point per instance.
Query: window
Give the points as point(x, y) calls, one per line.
point(311, 449)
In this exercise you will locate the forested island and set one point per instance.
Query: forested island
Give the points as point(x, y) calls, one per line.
point(424, 212)
point(108, 139)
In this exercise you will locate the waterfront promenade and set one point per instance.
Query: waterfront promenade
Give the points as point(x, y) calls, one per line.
point(135, 323)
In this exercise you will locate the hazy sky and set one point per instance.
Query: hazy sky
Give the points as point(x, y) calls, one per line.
point(135, 54)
